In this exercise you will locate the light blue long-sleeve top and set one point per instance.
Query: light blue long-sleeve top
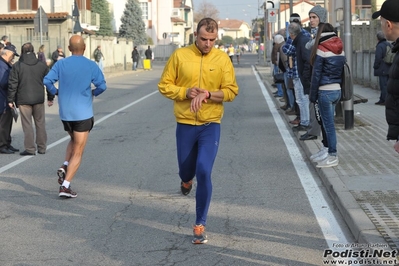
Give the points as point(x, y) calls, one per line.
point(75, 74)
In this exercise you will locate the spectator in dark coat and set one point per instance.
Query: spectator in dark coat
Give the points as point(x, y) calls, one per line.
point(390, 26)
point(135, 57)
point(148, 53)
point(58, 54)
point(26, 89)
point(6, 56)
point(381, 69)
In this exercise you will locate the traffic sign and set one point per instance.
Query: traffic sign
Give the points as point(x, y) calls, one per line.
point(40, 21)
point(271, 15)
point(257, 36)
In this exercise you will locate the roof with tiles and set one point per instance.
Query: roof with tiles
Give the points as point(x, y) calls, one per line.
point(230, 24)
point(31, 16)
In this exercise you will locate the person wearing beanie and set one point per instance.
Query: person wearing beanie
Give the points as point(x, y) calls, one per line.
point(320, 12)
point(317, 15)
point(328, 60)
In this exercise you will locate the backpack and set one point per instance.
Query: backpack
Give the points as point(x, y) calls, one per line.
point(389, 55)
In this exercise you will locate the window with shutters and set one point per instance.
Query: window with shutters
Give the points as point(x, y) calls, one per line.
point(24, 4)
point(16, 5)
point(84, 4)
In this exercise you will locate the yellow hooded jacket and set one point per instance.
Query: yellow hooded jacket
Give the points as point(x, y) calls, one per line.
point(187, 67)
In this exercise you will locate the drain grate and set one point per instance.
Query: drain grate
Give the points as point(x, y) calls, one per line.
point(382, 207)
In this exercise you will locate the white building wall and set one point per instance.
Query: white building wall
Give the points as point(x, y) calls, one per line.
point(159, 12)
point(164, 24)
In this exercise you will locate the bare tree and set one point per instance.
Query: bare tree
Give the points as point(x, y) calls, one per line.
point(206, 9)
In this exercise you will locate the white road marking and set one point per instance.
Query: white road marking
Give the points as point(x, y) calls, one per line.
point(52, 145)
point(328, 223)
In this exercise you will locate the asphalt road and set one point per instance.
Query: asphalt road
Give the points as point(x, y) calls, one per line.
point(129, 210)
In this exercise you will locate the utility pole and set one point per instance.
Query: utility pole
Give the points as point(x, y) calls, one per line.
point(348, 105)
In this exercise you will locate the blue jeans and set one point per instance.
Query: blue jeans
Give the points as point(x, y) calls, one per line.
point(134, 65)
point(278, 85)
point(328, 99)
point(290, 92)
point(197, 147)
point(303, 102)
point(383, 81)
point(100, 64)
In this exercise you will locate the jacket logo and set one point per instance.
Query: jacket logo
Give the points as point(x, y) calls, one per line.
point(211, 69)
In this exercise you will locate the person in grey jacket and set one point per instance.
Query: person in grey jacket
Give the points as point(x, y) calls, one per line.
point(26, 89)
point(381, 69)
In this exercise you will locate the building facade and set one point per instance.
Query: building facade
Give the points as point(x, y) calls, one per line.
point(234, 28)
point(166, 21)
point(17, 20)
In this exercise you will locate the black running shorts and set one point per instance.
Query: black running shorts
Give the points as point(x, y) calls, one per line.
point(78, 126)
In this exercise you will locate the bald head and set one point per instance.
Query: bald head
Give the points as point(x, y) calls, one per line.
point(77, 45)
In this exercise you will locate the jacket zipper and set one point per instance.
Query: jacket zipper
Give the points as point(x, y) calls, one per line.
point(199, 86)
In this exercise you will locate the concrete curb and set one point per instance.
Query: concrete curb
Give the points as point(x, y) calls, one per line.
point(356, 219)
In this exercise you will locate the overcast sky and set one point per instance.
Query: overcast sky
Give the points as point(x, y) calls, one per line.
point(234, 9)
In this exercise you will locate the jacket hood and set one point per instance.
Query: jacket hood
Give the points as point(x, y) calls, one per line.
point(331, 42)
point(29, 59)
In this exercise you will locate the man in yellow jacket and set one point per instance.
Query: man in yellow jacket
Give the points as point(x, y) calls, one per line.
point(199, 78)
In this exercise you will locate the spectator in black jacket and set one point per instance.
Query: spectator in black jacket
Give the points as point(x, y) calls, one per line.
point(390, 26)
point(381, 68)
point(26, 89)
point(148, 53)
point(58, 54)
point(135, 57)
point(303, 67)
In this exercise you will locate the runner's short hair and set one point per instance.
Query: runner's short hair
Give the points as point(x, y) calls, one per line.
point(210, 25)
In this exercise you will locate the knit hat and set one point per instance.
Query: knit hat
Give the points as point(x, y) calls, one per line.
point(278, 39)
point(295, 17)
point(320, 12)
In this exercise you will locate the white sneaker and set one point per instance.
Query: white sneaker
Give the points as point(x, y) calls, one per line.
point(319, 153)
point(330, 161)
point(321, 157)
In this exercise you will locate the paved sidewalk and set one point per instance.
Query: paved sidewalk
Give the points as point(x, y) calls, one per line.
point(365, 184)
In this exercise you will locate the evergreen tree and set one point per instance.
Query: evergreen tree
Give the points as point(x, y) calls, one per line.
point(102, 7)
point(133, 26)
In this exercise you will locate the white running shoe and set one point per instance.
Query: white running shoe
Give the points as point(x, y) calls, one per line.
point(321, 157)
point(330, 161)
point(319, 153)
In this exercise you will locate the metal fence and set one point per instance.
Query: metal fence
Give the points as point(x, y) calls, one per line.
point(49, 43)
point(161, 52)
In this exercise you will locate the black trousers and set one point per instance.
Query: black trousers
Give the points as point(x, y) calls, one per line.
point(5, 129)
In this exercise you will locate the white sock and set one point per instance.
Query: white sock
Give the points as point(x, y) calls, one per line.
point(66, 184)
point(66, 163)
